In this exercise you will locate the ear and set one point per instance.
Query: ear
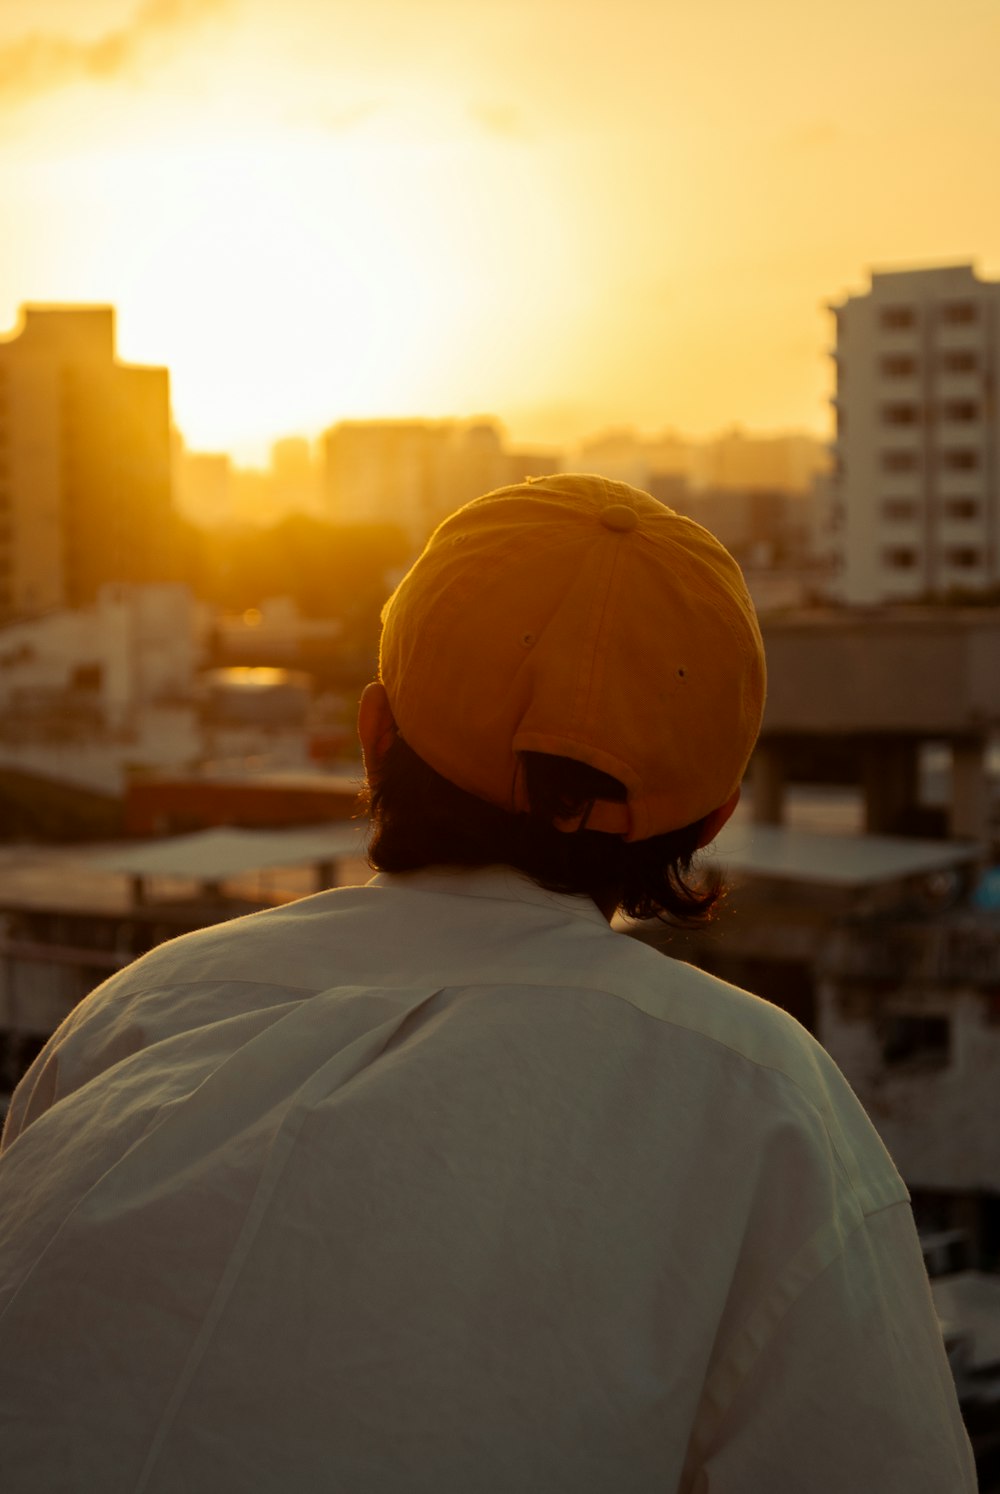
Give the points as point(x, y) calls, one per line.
point(376, 725)
point(715, 821)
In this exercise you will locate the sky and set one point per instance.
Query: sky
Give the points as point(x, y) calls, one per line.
point(571, 214)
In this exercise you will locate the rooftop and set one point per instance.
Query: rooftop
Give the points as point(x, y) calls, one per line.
point(788, 854)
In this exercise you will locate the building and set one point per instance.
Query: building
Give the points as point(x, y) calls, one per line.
point(85, 463)
point(619, 455)
point(388, 472)
point(414, 473)
point(859, 699)
point(203, 486)
point(90, 695)
point(908, 1007)
point(134, 646)
point(295, 476)
point(737, 462)
point(879, 946)
point(917, 464)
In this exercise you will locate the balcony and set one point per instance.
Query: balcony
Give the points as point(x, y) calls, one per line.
point(908, 389)
point(958, 338)
point(952, 385)
point(900, 439)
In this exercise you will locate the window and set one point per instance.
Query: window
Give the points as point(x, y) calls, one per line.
point(964, 558)
point(959, 362)
point(900, 461)
point(960, 460)
point(899, 508)
point(962, 508)
point(902, 414)
point(915, 1040)
point(899, 366)
point(895, 318)
point(899, 558)
point(961, 410)
point(959, 313)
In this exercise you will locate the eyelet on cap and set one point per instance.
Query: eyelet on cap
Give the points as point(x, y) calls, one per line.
point(619, 516)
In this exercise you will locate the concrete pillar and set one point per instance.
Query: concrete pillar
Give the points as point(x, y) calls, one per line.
point(968, 812)
point(767, 784)
point(890, 782)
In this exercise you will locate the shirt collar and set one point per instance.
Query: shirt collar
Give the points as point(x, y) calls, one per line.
point(500, 882)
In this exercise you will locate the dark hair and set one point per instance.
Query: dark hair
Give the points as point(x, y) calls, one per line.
point(419, 819)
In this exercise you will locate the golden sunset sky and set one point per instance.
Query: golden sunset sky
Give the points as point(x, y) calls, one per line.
point(569, 213)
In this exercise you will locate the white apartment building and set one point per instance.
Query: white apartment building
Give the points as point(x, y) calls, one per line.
point(917, 449)
point(134, 645)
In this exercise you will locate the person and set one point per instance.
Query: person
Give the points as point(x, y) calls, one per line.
point(443, 1183)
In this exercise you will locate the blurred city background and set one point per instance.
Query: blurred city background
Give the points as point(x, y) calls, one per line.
point(281, 287)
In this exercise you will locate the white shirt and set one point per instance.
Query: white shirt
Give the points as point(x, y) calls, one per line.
point(441, 1185)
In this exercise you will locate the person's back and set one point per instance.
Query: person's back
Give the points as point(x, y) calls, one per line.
point(442, 1183)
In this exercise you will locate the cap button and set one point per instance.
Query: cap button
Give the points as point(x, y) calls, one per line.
point(619, 516)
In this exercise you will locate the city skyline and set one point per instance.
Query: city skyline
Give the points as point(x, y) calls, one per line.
point(312, 214)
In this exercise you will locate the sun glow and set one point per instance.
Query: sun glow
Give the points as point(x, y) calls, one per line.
point(288, 279)
point(560, 213)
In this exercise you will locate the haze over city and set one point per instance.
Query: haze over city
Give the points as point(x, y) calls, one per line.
point(569, 216)
point(706, 300)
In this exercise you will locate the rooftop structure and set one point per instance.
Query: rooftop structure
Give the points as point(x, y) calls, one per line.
point(858, 693)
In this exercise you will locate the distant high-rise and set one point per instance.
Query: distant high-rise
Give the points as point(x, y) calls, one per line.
point(917, 471)
point(411, 473)
point(85, 471)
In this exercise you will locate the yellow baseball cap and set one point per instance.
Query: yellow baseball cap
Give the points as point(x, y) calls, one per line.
point(577, 616)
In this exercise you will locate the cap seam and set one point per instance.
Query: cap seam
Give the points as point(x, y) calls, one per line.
point(588, 690)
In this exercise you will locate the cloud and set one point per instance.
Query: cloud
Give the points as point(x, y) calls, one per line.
point(40, 62)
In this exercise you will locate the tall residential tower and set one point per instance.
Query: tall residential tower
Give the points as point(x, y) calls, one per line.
point(85, 484)
point(917, 470)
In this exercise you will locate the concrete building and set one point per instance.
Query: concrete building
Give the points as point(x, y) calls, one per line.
point(296, 476)
point(619, 455)
point(917, 454)
point(388, 472)
point(85, 463)
point(87, 694)
point(413, 473)
point(908, 1008)
point(738, 462)
point(203, 486)
point(855, 697)
point(134, 646)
